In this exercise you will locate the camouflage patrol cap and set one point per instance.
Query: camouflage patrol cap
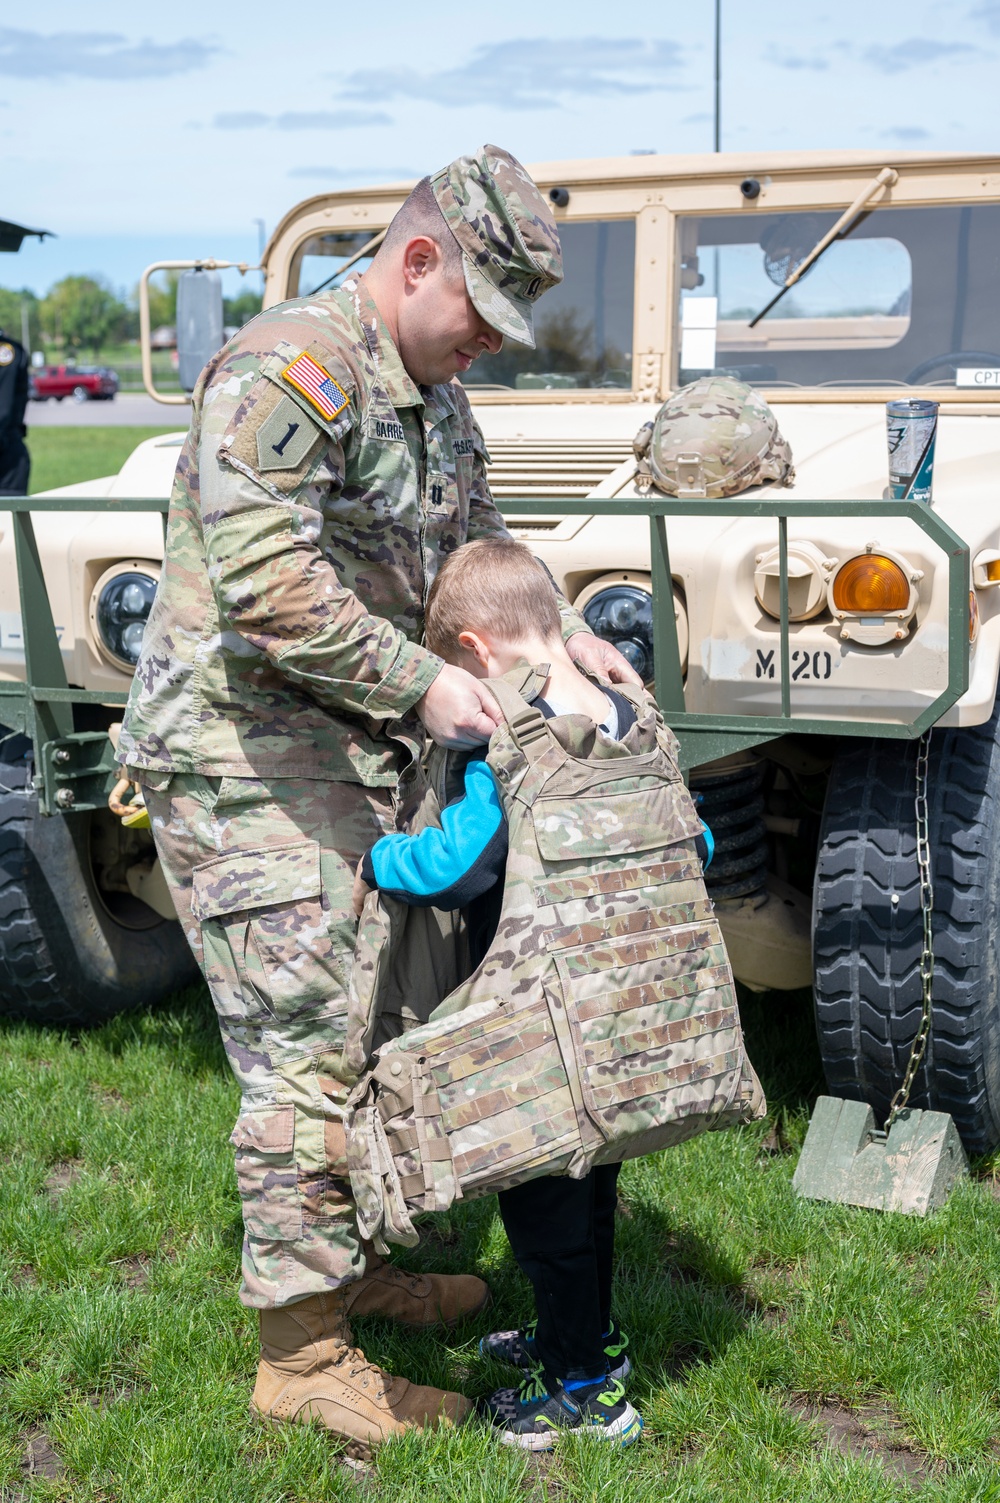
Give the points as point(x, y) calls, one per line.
point(509, 241)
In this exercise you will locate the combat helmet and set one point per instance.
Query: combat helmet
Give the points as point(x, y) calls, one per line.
point(716, 437)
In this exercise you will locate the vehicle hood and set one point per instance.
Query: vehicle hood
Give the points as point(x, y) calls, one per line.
point(840, 453)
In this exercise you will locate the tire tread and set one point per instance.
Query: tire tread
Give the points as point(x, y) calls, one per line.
point(867, 950)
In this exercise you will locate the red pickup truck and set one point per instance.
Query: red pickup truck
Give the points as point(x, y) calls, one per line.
point(85, 383)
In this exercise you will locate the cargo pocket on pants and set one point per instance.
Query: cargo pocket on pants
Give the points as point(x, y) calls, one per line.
point(266, 1172)
point(265, 929)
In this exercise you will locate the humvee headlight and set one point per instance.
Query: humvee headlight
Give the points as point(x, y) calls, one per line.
point(119, 609)
point(623, 615)
point(874, 595)
point(619, 609)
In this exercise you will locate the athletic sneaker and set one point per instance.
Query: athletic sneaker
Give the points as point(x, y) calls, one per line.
point(534, 1415)
point(518, 1349)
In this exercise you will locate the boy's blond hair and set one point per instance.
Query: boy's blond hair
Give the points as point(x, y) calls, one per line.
point(495, 585)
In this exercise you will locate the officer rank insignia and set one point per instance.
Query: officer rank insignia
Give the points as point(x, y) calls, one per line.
point(316, 385)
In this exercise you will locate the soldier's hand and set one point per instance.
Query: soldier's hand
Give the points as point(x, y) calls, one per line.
point(457, 710)
point(601, 658)
point(361, 890)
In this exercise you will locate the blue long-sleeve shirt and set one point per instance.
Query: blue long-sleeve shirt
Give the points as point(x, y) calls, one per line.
point(452, 866)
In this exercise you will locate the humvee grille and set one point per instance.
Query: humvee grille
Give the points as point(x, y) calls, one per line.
point(553, 467)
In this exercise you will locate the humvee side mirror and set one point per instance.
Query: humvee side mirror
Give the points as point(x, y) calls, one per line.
point(199, 323)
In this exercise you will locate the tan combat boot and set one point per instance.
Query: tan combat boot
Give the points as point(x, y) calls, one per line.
point(310, 1371)
point(414, 1299)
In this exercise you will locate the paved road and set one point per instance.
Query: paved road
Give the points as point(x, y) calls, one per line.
point(130, 409)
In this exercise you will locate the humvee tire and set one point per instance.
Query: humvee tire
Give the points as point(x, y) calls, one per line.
point(70, 954)
point(866, 948)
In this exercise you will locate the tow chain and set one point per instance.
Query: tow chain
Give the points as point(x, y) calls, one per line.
point(902, 1096)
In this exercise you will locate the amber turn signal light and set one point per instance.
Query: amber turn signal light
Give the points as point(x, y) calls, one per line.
point(871, 582)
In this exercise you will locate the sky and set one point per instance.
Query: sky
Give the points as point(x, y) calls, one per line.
point(138, 136)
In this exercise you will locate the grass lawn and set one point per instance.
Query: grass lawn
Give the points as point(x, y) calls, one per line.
point(784, 1350)
point(66, 456)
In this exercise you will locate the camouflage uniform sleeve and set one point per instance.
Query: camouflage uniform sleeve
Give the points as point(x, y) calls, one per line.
point(272, 582)
point(485, 521)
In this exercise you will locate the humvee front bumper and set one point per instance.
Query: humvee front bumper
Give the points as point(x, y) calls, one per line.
point(74, 770)
point(750, 679)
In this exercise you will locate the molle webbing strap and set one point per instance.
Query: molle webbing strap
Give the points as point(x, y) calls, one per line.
point(404, 1139)
point(525, 722)
point(637, 698)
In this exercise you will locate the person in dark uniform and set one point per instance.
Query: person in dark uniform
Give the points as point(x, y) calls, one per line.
point(15, 461)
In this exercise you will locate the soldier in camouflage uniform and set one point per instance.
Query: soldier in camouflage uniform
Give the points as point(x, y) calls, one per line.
point(279, 708)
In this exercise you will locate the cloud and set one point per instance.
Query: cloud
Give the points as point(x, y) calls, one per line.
point(331, 119)
point(531, 74)
point(307, 120)
point(989, 14)
point(352, 174)
point(241, 120)
point(913, 53)
point(796, 61)
point(696, 119)
point(906, 133)
point(97, 54)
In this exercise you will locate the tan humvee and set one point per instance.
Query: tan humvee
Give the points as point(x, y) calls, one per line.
point(668, 260)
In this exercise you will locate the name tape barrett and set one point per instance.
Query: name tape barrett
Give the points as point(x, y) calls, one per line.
point(316, 385)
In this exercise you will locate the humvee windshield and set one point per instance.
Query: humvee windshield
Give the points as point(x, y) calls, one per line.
point(318, 260)
point(910, 297)
point(583, 327)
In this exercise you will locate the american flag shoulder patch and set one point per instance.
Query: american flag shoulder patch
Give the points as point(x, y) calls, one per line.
point(316, 385)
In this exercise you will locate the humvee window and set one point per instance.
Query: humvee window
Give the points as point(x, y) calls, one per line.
point(317, 261)
point(583, 327)
point(896, 303)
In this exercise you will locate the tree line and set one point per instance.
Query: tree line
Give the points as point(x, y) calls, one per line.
point(85, 314)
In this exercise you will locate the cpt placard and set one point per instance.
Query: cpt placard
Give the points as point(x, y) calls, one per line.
point(978, 375)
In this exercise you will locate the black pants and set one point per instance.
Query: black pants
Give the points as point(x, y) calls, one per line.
point(15, 465)
point(562, 1233)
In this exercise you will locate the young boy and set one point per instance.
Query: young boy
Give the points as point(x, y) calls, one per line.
point(493, 606)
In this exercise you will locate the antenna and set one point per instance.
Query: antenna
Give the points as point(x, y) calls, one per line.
point(261, 244)
point(718, 76)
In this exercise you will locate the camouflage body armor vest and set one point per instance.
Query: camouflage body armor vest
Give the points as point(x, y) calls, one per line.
point(602, 1023)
